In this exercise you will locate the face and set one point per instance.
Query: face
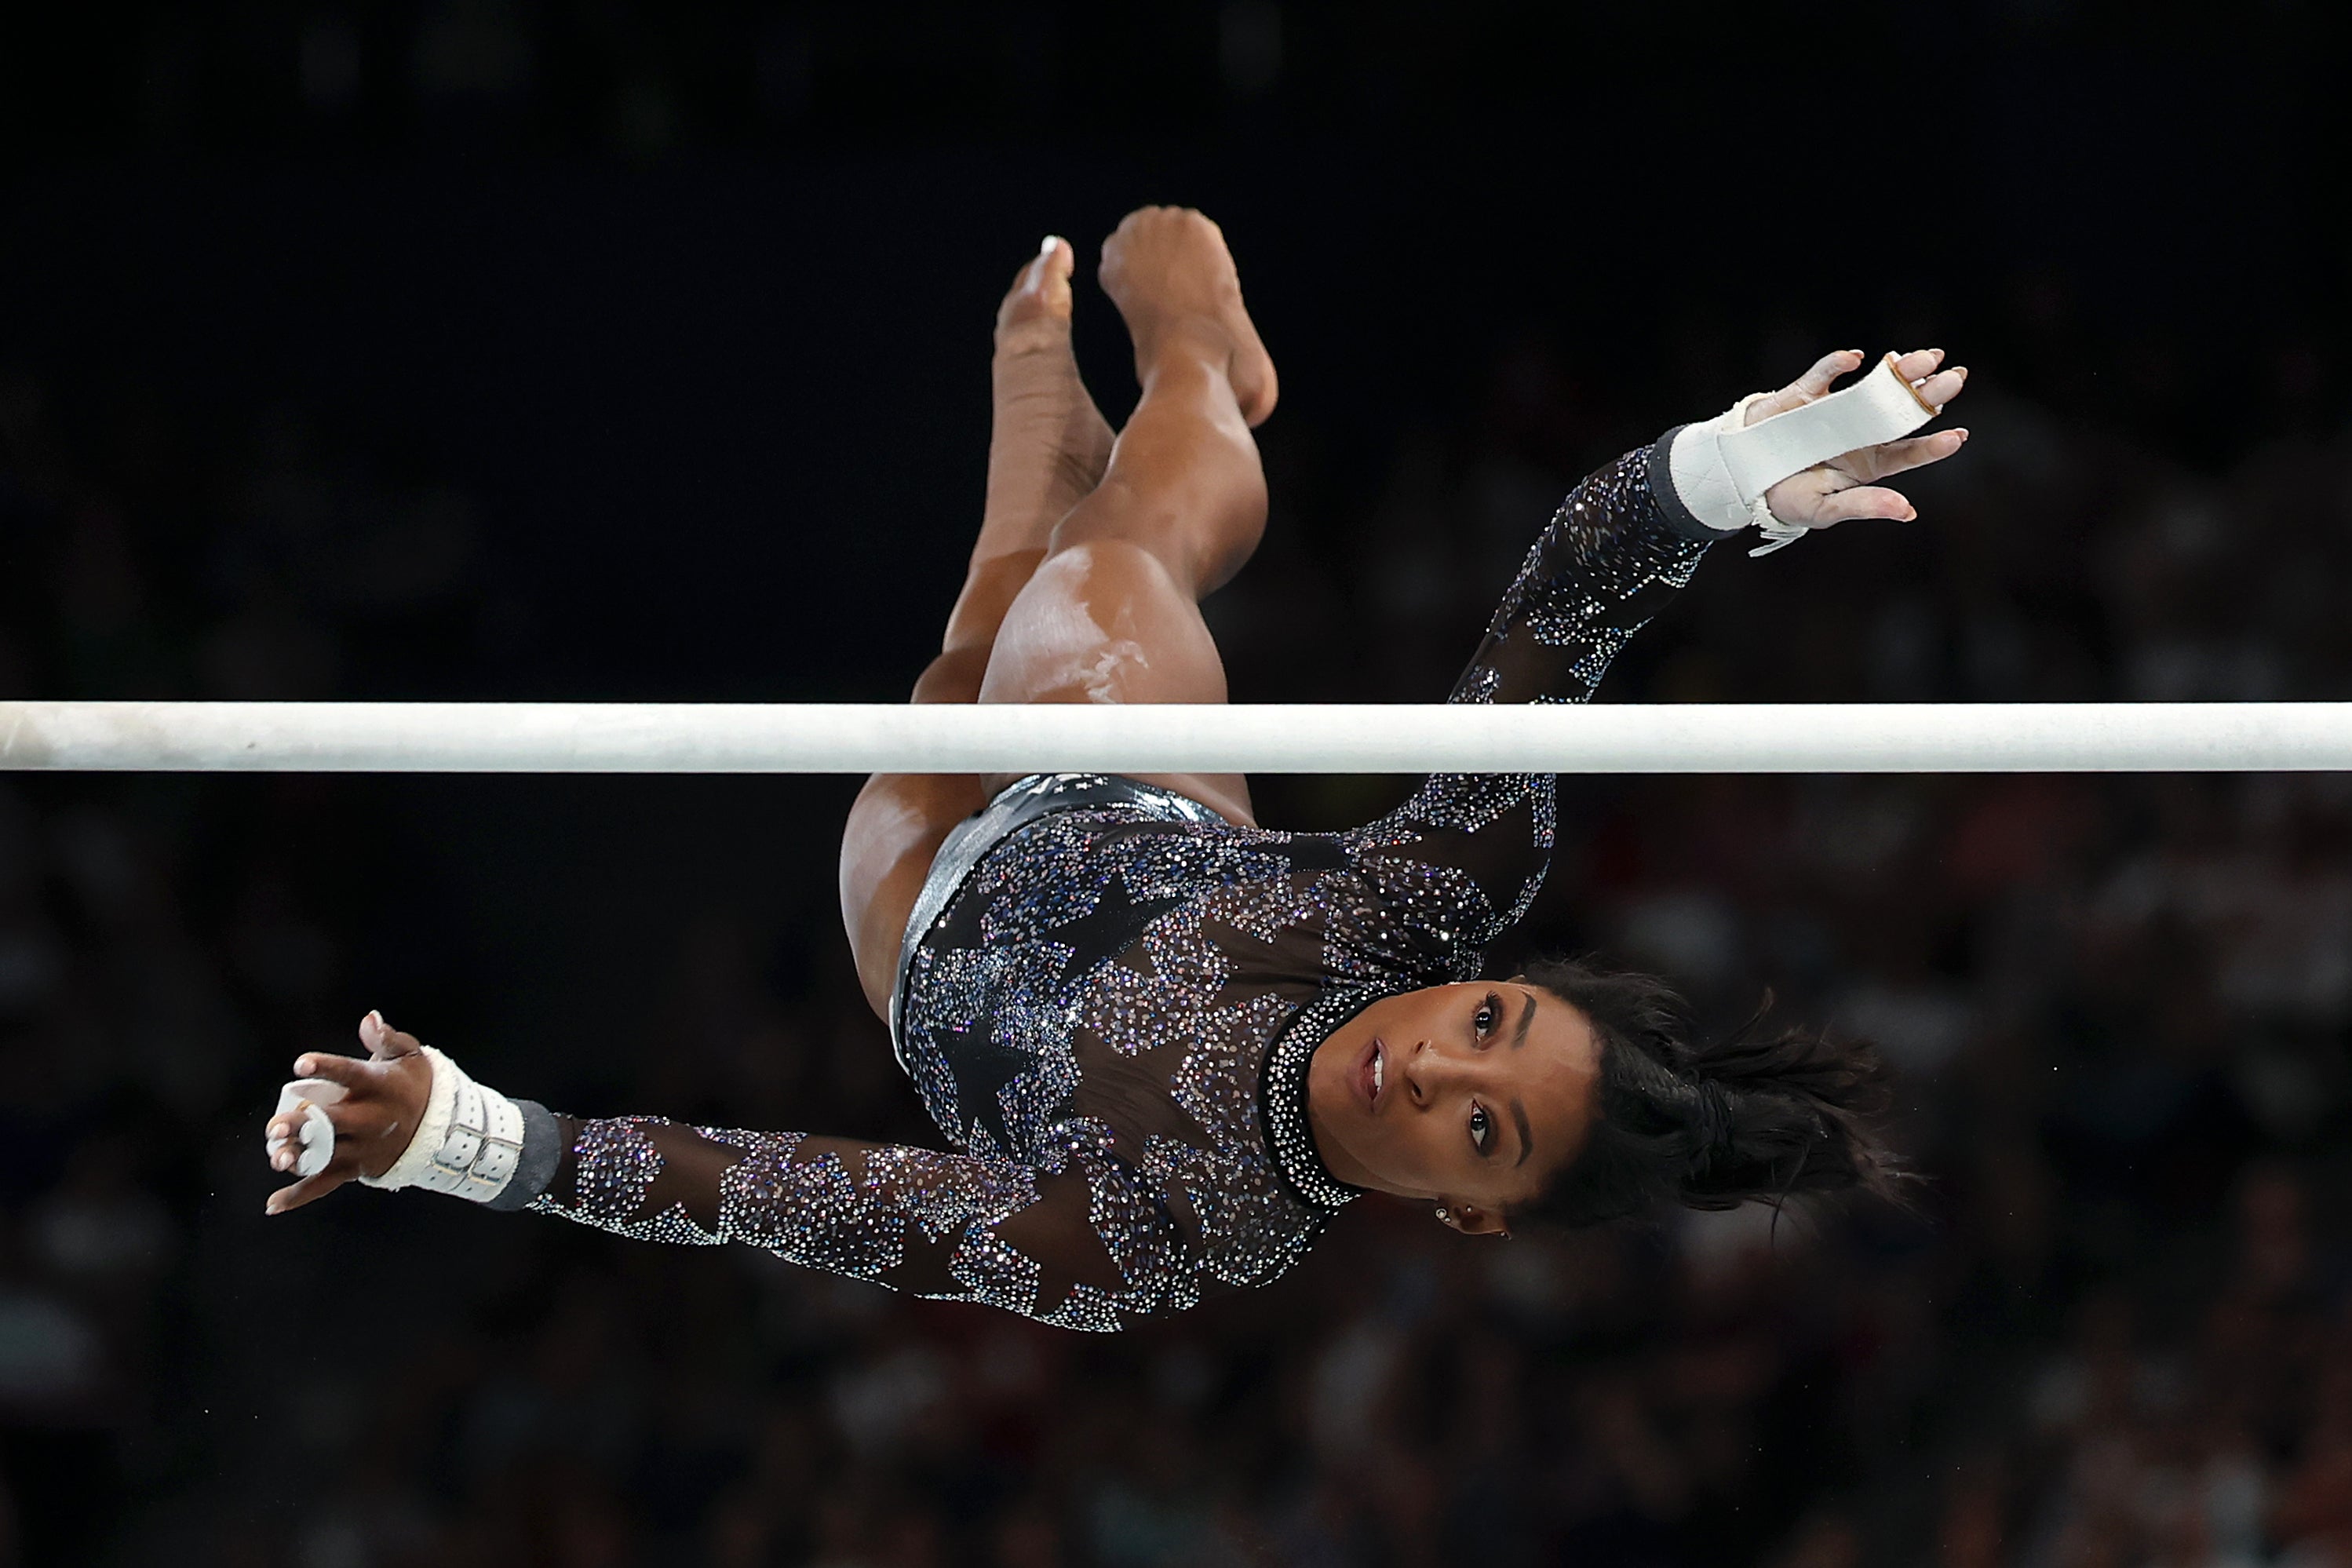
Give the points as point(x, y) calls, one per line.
point(1470, 1096)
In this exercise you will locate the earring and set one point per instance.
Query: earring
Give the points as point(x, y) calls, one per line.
point(1442, 1217)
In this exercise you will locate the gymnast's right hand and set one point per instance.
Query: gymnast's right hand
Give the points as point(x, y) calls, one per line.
point(385, 1094)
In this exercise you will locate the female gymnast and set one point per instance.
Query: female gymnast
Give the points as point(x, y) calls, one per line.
point(1169, 1044)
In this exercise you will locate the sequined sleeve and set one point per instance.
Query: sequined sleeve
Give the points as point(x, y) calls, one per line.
point(1469, 851)
point(919, 1220)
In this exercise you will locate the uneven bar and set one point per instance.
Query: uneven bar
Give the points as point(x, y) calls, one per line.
point(859, 738)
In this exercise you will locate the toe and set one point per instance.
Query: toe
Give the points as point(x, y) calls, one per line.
point(1041, 289)
point(1056, 261)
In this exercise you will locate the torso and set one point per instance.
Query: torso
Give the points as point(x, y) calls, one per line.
point(1104, 974)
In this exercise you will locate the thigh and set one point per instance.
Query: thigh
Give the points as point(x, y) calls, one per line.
point(894, 831)
point(887, 848)
point(1103, 620)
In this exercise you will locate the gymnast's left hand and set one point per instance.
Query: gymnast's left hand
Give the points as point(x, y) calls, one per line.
point(386, 1095)
point(1847, 487)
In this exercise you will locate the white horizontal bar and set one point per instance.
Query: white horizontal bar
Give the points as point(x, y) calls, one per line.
point(858, 738)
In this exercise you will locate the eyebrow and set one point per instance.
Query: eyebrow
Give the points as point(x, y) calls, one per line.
point(1526, 1139)
point(1527, 1016)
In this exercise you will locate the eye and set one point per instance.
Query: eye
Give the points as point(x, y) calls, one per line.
point(1482, 1127)
point(1490, 1015)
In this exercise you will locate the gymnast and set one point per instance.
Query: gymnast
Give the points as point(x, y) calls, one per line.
point(1168, 1045)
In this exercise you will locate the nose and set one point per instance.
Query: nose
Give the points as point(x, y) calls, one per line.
point(1430, 1072)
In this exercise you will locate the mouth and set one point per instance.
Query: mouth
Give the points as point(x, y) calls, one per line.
point(1372, 1076)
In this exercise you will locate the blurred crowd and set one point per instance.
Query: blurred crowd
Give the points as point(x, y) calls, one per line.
point(2116, 1335)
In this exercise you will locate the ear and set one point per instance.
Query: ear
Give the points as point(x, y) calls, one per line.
point(1471, 1221)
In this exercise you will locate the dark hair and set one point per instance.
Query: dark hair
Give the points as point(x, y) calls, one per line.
point(1753, 1116)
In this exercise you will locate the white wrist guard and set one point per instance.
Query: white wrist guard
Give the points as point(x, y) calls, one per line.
point(469, 1144)
point(1722, 469)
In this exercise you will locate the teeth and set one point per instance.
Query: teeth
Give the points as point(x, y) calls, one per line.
point(1378, 1058)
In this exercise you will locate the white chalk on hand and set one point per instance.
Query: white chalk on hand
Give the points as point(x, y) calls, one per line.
point(318, 1135)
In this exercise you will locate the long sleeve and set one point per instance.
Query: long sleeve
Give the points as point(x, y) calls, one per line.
point(932, 1224)
point(1466, 855)
point(1608, 562)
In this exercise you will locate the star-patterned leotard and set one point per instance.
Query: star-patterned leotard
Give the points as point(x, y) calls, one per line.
point(1111, 1019)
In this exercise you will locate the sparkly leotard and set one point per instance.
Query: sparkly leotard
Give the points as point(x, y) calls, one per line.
point(1111, 1019)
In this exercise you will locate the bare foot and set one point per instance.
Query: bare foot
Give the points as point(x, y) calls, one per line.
point(1168, 270)
point(1049, 444)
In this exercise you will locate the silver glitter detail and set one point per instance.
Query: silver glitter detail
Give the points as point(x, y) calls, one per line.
point(1285, 1102)
point(1112, 998)
point(992, 1270)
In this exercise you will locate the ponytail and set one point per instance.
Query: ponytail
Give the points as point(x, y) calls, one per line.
point(1756, 1116)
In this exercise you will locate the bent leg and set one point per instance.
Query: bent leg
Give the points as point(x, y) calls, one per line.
point(1091, 597)
point(1048, 447)
point(1113, 614)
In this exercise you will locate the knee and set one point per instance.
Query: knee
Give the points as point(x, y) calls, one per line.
point(989, 590)
point(1104, 620)
point(1201, 532)
point(1106, 573)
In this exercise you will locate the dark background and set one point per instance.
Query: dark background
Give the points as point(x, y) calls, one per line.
point(491, 349)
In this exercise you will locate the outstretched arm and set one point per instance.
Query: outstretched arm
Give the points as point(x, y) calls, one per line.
point(1623, 541)
point(1460, 862)
point(917, 1220)
point(1467, 855)
point(1080, 1245)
